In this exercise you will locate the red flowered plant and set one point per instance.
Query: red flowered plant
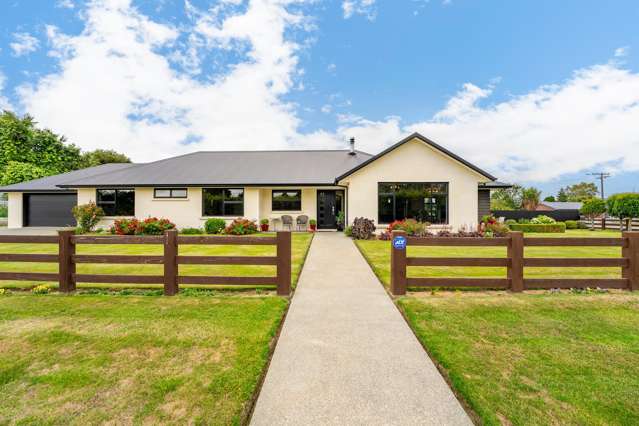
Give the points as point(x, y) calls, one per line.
point(125, 226)
point(241, 226)
point(149, 226)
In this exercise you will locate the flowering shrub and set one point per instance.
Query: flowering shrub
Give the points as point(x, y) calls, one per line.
point(125, 226)
point(410, 226)
point(88, 216)
point(149, 226)
point(41, 289)
point(154, 226)
point(241, 227)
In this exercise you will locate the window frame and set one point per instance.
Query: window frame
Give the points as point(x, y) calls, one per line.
point(380, 194)
point(224, 202)
point(171, 196)
point(273, 191)
point(99, 202)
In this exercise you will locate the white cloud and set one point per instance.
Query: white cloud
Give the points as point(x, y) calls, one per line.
point(331, 68)
point(23, 44)
point(115, 88)
point(65, 4)
point(621, 52)
point(326, 109)
point(4, 102)
point(588, 120)
point(359, 7)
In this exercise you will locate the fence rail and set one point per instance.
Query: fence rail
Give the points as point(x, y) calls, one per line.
point(611, 223)
point(515, 262)
point(67, 260)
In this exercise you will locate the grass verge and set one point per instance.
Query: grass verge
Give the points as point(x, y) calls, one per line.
point(541, 358)
point(88, 359)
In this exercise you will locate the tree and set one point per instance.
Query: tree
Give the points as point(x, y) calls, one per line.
point(530, 198)
point(550, 198)
point(562, 196)
point(625, 206)
point(103, 156)
point(581, 191)
point(39, 152)
point(506, 198)
point(593, 208)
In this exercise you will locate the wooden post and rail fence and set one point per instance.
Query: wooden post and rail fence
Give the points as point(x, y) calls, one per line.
point(515, 262)
point(67, 260)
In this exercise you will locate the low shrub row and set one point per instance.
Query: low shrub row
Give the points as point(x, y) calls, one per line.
point(148, 226)
point(558, 227)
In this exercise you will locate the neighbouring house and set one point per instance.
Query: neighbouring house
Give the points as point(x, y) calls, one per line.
point(415, 178)
point(558, 205)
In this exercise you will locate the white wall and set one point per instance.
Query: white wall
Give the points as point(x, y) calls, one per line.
point(415, 161)
point(14, 219)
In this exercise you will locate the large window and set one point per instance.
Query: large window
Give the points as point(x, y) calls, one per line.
point(427, 202)
point(170, 193)
point(287, 200)
point(223, 202)
point(116, 202)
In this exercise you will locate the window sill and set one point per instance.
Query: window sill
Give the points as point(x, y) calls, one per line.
point(170, 199)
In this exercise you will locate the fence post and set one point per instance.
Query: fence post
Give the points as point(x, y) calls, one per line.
point(630, 252)
point(283, 244)
point(398, 266)
point(170, 263)
point(66, 267)
point(516, 266)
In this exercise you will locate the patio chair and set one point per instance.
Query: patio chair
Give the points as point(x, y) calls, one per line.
point(287, 221)
point(302, 222)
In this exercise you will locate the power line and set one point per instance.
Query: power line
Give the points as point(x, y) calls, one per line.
point(601, 176)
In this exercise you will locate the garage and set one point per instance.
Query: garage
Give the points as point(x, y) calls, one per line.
point(49, 209)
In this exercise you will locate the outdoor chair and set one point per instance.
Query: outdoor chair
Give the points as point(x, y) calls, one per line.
point(302, 222)
point(287, 221)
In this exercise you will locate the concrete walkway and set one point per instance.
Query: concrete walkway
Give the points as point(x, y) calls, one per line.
point(346, 355)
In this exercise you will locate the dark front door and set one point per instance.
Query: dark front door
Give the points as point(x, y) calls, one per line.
point(329, 204)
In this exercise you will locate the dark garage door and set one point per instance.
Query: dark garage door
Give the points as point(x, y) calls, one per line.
point(49, 209)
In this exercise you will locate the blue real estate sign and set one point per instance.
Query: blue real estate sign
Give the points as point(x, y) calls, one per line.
point(399, 243)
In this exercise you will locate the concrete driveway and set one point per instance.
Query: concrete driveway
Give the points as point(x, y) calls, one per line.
point(35, 230)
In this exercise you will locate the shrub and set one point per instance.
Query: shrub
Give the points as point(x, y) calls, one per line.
point(4, 211)
point(348, 231)
point(41, 289)
point(88, 216)
point(241, 227)
point(154, 226)
point(523, 220)
point(214, 225)
point(543, 220)
point(362, 228)
point(192, 231)
point(125, 226)
point(572, 224)
point(592, 209)
point(510, 222)
point(4, 292)
point(558, 227)
point(410, 226)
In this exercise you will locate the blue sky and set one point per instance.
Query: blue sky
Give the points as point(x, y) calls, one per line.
point(537, 92)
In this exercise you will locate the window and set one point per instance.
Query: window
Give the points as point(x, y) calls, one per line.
point(170, 193)
point(223, 202)
point(287, 200)
point(116, 202)
point(427, 202)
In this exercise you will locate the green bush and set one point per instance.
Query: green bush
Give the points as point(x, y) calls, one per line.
point(348, 231)
point(572, 224)
point(88, 215)
point(4, 211)
point(192, 231)
point(509, 222)
point(214, 225)
point(154, 226)
point(549, 228)
point(543, 219)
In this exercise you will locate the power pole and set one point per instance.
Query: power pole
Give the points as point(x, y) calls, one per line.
point(601, 176)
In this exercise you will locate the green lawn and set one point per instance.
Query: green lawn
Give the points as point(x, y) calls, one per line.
point(378, 255)
point(535, 359)
point(301, 243)
point(89, 359)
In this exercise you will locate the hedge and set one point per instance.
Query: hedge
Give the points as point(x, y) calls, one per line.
point(555, 228)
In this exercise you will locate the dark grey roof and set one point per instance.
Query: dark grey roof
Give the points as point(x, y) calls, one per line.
point(562, 205)
point(232, 168)
point(427, 142)
point(50, 183)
